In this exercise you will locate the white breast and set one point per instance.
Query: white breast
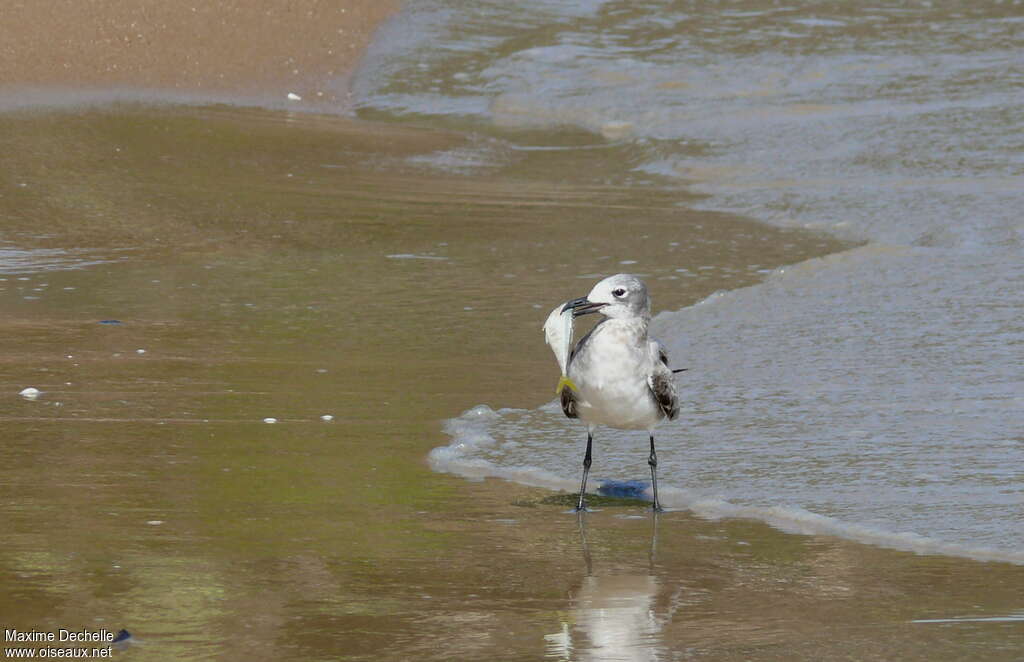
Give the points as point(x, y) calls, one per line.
point(611, 371)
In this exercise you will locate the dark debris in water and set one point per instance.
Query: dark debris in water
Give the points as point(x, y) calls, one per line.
point(593, 501)
point(624, 489)
point(610, 494)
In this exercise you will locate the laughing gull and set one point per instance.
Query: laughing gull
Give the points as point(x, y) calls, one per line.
point(617, 375)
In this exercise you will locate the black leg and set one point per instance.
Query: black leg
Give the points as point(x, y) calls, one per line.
point(653, 461)
point(586, 469)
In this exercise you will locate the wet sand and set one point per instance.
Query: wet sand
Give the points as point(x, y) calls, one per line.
point(272, 264)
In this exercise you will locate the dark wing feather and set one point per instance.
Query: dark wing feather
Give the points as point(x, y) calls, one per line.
point(569, 402)
point(664, 391)
point(663, 388)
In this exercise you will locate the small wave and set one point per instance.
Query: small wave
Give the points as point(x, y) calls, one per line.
point(470, 432)
point(38, 260)
point(1009, 618)
point(413, 256)
point(474, 431)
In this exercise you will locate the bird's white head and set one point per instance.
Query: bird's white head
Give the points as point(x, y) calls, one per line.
point(621, 296)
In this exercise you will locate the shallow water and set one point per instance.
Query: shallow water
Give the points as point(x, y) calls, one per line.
point(881, 389)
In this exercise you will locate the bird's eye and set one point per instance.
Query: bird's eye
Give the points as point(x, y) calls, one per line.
point(619, 292)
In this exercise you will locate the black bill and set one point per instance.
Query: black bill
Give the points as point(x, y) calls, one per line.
point(582, 306)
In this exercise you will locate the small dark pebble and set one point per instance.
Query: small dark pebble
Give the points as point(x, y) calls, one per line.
point(122, 635)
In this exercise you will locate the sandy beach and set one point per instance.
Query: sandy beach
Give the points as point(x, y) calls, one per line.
point(172, 276)
point(256, 51)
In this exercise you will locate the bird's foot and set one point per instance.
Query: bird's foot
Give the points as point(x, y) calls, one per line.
point(583, 507)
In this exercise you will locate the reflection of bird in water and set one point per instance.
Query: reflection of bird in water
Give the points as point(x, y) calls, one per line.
point(613, 616)
point(617, 375)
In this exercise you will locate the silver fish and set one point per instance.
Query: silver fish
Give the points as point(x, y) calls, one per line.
point(558, 335)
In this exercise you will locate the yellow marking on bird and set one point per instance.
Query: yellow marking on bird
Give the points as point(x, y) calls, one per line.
point(563, 382)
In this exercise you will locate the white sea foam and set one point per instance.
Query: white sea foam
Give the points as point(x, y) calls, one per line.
point(483, 428)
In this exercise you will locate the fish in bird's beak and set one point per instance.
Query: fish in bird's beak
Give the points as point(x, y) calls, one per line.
point(582, 306)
